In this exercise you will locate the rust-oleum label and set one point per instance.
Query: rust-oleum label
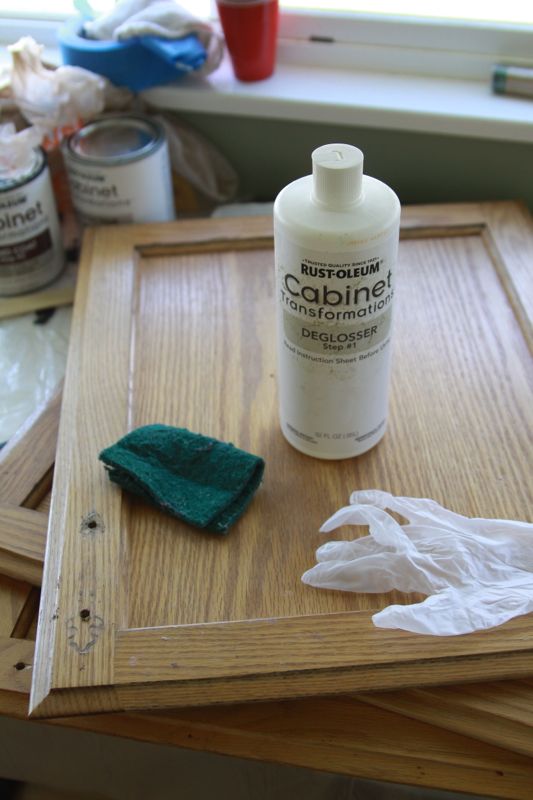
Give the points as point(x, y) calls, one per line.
point(336, 305)
point(334, 334)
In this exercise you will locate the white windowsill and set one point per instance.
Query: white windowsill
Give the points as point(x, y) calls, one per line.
point(357, 98)
point(350, 96)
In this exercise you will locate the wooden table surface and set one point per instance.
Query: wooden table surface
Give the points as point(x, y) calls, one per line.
point(473, 738)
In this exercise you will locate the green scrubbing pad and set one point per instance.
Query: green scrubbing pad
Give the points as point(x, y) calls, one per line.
point(200, 480)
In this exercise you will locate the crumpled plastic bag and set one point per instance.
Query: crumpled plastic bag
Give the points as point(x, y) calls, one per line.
point(57, 101)
point(163, 18)
point(198, 161)
point(53, 98)
point(477, 573)
point(32, 362)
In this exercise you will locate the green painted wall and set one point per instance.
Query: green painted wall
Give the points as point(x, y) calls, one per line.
point(422, 168)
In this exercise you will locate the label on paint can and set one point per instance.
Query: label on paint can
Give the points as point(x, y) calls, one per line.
point(31, 250)
point(119, 171)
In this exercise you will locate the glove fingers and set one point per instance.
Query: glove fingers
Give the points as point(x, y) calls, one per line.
point(415, 509)
point(372, 497)
point(380, 572)
point(354, 515)
point(382, 526)
point(426, 511)
point(464, 554)
point(347, 551)
point(458, 611)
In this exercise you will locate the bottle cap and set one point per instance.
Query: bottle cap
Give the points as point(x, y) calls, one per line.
point(337, 175)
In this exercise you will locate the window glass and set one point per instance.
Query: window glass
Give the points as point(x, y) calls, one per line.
point(511, 11)
point(514, 11)
point(56, 8)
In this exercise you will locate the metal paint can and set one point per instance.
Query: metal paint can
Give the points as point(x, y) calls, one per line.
point(119, 171)
point(31, 248)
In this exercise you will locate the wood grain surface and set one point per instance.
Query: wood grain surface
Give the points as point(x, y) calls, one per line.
point(14, 594)
point(347, 734)
point(59, 293)
point(180, 333)
point(22, 543)
point(500, 712)
point(27, 460)
point(26, 464)
point(493, 712)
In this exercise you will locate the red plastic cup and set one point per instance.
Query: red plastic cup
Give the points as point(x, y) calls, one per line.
point(250, 29)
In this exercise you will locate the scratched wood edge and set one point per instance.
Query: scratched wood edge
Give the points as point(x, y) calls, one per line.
point(141, 236)
point(65, 636)
point(276, 686)
point(311, 643)
point(46, 629)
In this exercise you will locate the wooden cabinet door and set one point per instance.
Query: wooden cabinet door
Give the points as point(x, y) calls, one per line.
point(174, 323)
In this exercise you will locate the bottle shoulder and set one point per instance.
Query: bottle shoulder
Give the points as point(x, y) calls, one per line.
point(297, 217)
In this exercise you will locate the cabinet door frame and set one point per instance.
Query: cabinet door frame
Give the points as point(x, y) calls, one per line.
point(90, 661)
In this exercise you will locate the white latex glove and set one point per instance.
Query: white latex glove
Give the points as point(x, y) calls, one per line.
point(478, 573)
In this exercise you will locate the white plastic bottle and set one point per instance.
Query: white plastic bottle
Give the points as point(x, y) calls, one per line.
point(336, 241)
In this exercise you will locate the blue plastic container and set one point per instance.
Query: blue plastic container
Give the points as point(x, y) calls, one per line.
point(138, 63)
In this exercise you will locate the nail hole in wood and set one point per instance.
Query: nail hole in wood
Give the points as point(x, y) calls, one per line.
point(85, 613)
point(92, 524)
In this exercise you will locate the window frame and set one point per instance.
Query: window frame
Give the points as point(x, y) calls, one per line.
point(354, 41)
point(382, 74)
point(414, 45)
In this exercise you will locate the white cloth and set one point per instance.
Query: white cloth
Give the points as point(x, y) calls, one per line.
point(477, 573)
point(164, 18)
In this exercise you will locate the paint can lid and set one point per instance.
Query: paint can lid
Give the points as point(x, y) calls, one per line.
point(115, 139)
point(23, 173)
